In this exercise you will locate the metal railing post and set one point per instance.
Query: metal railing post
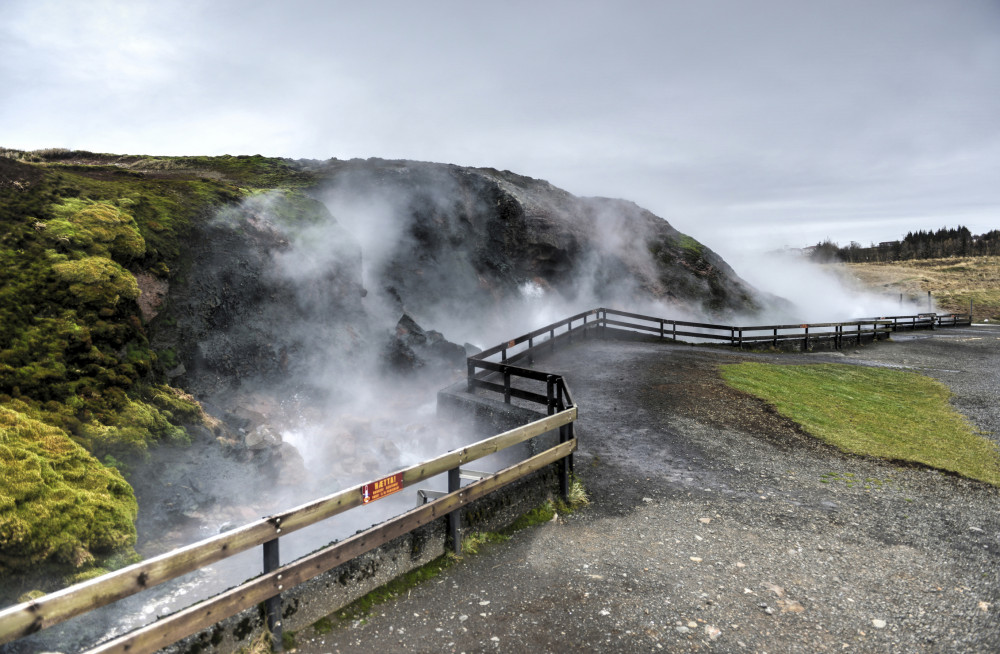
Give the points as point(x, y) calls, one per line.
point(531, 351)
point(805, 346)
point(563, 437)
point(506, 385)
point(549, 394)
point(272, 607)
point(455, 517)
point(472, 375)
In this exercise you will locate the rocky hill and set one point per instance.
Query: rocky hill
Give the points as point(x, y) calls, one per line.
point(151, 300)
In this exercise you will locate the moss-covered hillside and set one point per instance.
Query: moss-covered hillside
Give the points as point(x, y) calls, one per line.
point(81, 389)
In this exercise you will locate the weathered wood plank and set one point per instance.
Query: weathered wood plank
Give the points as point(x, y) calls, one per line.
point(29, 617)
point(184, 623)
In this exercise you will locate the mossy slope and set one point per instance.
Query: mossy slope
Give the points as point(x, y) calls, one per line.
point(57, 502)
point(78, 376)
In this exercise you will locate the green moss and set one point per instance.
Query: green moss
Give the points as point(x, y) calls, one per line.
point(58, 504)
point(31, 595)
point(97, 281)
point(95, 228)
point(476, 540)
point(690, 246)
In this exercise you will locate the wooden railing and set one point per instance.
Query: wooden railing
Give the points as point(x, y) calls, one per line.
point(29, 617)
point(481, 369)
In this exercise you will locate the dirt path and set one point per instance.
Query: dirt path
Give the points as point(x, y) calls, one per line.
point(717, 525)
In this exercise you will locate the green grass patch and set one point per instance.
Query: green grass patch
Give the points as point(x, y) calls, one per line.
point(889, 414)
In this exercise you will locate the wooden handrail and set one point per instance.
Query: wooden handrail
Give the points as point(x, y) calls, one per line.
point(29, 617)
point(172, 628)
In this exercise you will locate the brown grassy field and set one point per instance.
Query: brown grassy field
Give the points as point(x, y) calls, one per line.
point(953, 282)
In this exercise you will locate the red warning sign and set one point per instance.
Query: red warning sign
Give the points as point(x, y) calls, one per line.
point(376, 490)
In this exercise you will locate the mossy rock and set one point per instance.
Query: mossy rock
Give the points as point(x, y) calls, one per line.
point(95, 228)
point(58, 504)
point(97, 281)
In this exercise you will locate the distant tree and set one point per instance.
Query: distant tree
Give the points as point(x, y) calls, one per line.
point(826, 251)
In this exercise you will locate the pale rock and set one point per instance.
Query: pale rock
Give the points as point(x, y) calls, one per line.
point(790, 606)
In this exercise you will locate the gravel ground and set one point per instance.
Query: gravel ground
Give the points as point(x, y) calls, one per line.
point(717, 525)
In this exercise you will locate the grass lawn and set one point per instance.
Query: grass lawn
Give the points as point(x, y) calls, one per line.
point(889, 414)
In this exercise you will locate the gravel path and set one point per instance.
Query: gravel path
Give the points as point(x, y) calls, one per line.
point(716, 525)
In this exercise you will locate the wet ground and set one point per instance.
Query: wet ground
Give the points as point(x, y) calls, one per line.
point(717, 525)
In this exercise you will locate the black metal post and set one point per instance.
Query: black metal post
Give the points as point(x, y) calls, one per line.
point(563, 437)
point(455, 517)
point(506, 384)
point(272, 607)
point(549, 394)
point(531, 350)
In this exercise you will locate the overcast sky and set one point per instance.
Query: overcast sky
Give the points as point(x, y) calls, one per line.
point(742, 123)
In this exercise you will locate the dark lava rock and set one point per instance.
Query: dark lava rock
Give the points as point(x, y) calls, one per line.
point(463, 240)
point(412, 348)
